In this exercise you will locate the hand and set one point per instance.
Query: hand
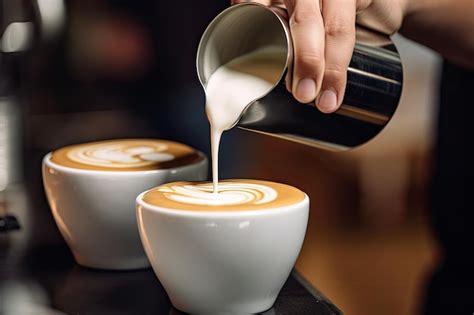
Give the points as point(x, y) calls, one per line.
point(323, 38)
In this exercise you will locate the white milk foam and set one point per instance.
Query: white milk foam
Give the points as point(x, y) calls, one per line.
point(235, 85)
point(120, 155)
point(230, 193)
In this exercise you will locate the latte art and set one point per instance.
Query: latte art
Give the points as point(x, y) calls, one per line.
point(126, 155)
point(233, 195)
point(119, 155)
point(230, 193)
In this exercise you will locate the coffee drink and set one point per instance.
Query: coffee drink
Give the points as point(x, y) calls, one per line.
point(126, 155)
point(91, 189)
point(224, 253)
point(233, 86)
point(234, 195)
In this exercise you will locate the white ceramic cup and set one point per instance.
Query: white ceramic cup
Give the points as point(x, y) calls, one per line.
point(95, 210)
point(222, 262)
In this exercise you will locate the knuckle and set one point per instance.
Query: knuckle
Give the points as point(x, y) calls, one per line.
point(338, 29)
point(335, 74)
point(303, 17)
point(309, 60)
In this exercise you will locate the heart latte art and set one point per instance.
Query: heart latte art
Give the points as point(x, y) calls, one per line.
point(235, 194)
point(126, 155)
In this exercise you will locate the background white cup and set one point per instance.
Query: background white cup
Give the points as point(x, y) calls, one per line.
point(222, 262)
point(95, 210)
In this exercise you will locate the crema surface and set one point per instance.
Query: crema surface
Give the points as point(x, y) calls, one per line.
point(126, 155)
point(233, 195)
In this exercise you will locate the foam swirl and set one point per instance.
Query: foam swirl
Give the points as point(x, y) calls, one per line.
point(120, 155)
point(126, 155)
point(233, 195)
point(230, 193)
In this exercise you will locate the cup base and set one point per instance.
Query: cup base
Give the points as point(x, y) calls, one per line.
point(239, 308)
point(119, 264)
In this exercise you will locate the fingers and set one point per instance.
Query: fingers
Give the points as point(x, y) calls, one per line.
point(307, 30)
point(339, 25)
point(323, 33)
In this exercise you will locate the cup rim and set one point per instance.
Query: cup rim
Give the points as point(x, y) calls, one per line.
point(227, 214)
point(47, 161)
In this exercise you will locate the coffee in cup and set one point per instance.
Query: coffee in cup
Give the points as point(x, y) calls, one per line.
point(91, 189)
point(126, 155)
point(222, 253)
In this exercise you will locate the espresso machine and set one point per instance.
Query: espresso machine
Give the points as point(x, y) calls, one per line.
point(17, 33)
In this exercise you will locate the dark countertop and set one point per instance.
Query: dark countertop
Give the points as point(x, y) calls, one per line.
point(38, 275)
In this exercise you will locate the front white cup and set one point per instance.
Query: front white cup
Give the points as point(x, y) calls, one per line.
point(222, 262)
point(95, 210)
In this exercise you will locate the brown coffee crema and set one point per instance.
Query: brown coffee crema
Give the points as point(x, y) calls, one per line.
point(125, 155)
point(234, 195)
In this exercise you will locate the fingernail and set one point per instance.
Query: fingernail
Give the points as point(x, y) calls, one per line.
point(327, 101)
point(306, 91)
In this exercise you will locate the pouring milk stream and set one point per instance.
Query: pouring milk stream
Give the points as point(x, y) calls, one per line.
point(235, 85)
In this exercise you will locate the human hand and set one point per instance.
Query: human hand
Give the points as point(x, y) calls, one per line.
point(323, 35)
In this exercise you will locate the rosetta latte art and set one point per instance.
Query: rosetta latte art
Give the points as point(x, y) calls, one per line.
point(230, 193)
point(233, 195)
point(124, 155)
point(119, 155)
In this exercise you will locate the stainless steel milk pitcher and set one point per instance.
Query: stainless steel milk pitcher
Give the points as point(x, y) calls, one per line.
point(374, 80)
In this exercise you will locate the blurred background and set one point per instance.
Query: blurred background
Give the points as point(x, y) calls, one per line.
point(82, 70)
